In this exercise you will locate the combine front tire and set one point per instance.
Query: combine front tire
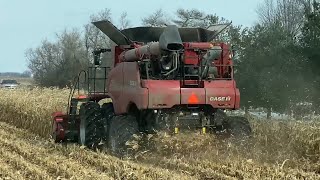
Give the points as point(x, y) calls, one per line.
point(91, 126)
point(122, 129)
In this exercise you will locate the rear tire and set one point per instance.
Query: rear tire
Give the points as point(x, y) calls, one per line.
point(239, 127)
point(217, 123)
point(122, 129)
point(107, 113)
point(107, 110)
point(91, 126)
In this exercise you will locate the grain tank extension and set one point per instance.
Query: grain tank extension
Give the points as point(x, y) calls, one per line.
point(161, 79)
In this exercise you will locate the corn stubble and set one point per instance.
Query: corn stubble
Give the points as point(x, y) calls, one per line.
point(278, 149)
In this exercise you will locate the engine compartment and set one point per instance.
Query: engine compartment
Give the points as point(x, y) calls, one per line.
point(195, 61)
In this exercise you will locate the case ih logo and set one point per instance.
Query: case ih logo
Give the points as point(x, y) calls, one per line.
point(220, 98)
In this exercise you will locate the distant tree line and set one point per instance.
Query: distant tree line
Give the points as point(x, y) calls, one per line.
point(25, 74)
point(276, 64)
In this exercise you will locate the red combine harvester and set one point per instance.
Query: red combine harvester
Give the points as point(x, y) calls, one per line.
point(163, 78)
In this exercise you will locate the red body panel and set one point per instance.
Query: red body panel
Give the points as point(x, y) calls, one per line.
point(59, 125)
point(132, 90)
point(221, 94)
point(227, 95)
point(162, 94)
point(191, 57)
point(125, 86)
point(115, 86)
point(193, 96)
point(157, 94)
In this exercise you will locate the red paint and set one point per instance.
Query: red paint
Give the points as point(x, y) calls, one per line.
point(115, 85)
point(56, 114)
point(125, 87)
point(192, 96)
point(82, 97)
point(132, 90)
point(59, 131)
point(191, 57)
point(158, 97)
point(198, 45)
point(117, 50)
point(58, 125)
point(59, 119)
point(221, 88)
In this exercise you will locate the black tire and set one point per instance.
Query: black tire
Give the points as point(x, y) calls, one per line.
point(107, 113)
point(107, 110)
point(239, 127)
point(91, 126)
point(122, 129)
point(217, 124)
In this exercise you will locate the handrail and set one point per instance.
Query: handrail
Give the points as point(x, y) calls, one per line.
point(76, 83)
point(92, 70)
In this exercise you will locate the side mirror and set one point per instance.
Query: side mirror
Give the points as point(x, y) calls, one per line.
point(96, 55)
point(96, 59)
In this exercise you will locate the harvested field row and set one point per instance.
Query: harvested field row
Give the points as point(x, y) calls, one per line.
point(32, 157)
point(278, 150)
point(26, 156)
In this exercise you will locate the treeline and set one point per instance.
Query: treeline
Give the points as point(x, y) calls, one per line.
point(277, 58)
point(25, 74)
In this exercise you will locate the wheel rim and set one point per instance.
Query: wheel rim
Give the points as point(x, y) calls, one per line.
point(82, 132)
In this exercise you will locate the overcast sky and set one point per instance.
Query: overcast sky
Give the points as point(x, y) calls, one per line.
point(24, 24)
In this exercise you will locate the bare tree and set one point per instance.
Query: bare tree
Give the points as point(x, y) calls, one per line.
point(93, 37)
point(56, 63)
point(157, 19)
point(195, 18)
point(124, 22)
point(289, 14)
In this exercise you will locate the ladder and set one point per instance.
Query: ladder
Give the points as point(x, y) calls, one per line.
point(191, 80)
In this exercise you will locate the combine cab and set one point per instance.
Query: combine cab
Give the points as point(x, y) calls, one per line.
point(162, 78)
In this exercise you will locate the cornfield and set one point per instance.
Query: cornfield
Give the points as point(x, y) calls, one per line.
point(279, 149)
